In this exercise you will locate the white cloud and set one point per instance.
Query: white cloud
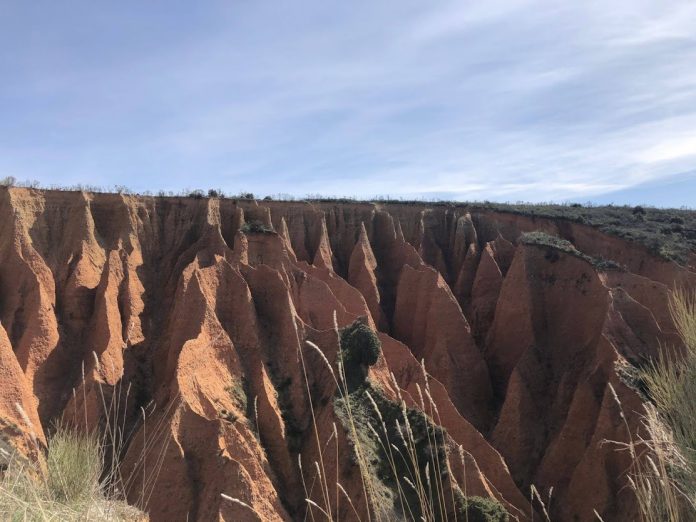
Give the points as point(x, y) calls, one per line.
point(677, 148)
point(453, 18)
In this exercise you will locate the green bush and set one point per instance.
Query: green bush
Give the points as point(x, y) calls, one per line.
point(360, 344)
point(256, 227)
point(428, 442)
point(360, 349)
point(480, 509)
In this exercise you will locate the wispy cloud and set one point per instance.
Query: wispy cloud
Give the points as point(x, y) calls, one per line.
point(527, 99)
point(678, 148)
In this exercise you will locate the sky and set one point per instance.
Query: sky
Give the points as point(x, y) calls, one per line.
point(468, 100)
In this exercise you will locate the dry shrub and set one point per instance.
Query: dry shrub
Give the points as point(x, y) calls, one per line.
point(664, 478)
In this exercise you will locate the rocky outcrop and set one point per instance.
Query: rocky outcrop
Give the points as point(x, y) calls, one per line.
point(485, 291)
point(20, 427)
point(181, 321)
point(547, 364)
point(429, 320)
point(362, 275)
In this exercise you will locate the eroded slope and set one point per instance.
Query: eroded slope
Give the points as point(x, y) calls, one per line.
point(183, 309)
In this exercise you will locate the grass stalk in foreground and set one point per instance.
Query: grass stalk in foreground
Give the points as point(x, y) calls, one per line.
point(69, 487)
point(411, 461)
point(664, 479)
point(81, 477)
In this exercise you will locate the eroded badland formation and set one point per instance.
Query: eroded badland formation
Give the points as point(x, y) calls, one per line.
point(175, 308)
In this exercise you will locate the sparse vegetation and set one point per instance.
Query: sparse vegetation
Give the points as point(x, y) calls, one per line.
point(649, 226)
point(256, 227)
point(545, 240)
point(381, 424)
point(293, 433)
point(238, 394)
point(479, 509)
point(70, 487)
point(402, 453)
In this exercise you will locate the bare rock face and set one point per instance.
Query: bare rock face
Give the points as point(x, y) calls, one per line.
point(362, 275)
point(551, 358)
point(485, 291)
point(20, 427)
point(429, 320)
point(190, 329)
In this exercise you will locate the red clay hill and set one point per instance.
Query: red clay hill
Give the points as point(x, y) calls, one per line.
point(193, 314)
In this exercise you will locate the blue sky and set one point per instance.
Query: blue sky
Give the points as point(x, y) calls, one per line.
point(507, 101)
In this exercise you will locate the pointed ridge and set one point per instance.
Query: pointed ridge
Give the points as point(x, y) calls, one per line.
point(323, 257)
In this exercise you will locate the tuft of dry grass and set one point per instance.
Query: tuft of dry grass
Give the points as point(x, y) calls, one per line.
point(664, 477)
point(74, 465)
point(67, 488)
point(79, 477)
